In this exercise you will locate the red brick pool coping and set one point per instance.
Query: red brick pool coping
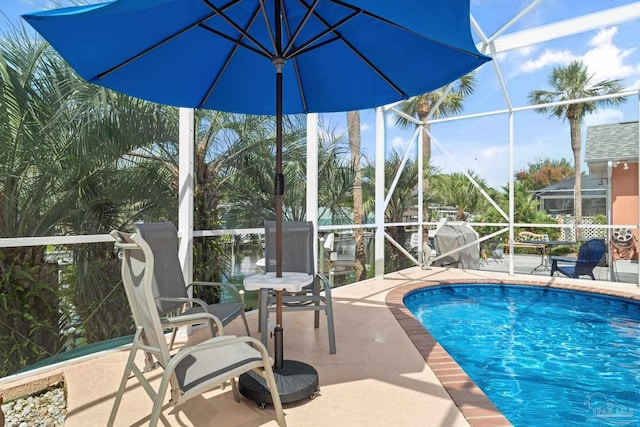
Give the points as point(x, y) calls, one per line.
point(468, 397)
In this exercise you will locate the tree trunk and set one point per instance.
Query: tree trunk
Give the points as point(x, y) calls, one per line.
point(424, 108)
point(576, 146)
point(353, 129)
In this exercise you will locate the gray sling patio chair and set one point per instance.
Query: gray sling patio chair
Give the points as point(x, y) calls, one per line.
point(192, 370)
point(297, 256)
point(171, 294)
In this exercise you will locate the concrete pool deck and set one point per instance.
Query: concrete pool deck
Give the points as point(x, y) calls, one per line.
point(387, 370)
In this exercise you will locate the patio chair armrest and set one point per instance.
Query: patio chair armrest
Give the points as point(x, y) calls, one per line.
point(193, 319)
point(557, 259)
point(186, 300)
point(178, 299)
point(324, 280)
point(326, 285)
point(228, 286)
point(220, 341)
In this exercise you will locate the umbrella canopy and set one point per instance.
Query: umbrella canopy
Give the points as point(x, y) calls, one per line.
point(220, 54)
point(326, 55)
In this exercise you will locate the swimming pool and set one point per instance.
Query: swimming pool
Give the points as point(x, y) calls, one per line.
point(545, 357)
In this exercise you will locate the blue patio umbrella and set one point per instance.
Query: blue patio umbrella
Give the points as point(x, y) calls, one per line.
point(264, 56)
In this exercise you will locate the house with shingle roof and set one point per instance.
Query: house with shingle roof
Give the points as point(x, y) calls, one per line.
point(557, 199)
point(617, 143)
point(611, 154)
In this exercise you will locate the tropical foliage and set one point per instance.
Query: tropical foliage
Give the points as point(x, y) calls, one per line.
point(457, 190)
point(403, 199)
point(542, 173)
point(353, 128)
point(442, 102)
point(575, 82)
point(64, 170)
point(79, 159)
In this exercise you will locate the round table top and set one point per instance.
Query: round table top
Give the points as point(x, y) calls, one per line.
point(290, 281)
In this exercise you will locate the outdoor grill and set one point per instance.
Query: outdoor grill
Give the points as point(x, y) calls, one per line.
point(453, 236)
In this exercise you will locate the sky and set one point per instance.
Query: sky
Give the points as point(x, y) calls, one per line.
point(481, 144)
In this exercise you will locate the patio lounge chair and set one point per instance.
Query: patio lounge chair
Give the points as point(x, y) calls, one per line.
point(194, 369)
point(589, 256)
point(297, 256)
point(172, 299)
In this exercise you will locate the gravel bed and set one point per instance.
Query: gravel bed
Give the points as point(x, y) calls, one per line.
point(47, 408)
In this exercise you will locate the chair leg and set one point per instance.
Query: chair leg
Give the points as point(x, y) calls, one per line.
point(234, 388)
point(554, 266)
point(329, 313)
point(159, 399)
point(246, 324)
point(131, 363)
point(259, 307)
point(123, 384)
point(316, 312)
point(263, 314)
point(173, 338)
point(275, 396)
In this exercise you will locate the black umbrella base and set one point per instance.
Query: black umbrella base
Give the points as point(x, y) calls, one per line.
point(295, 381)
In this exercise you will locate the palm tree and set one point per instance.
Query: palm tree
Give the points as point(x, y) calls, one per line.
point(246, 176)
point(438, 103)
point(402, 201)
point(568, 83)
point(457, 190)
point(421, 106)
point(335, 174)
point(353, 129)
point(62, 170)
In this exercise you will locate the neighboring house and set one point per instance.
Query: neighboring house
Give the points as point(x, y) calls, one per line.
point(611, 153)
point(557, 199)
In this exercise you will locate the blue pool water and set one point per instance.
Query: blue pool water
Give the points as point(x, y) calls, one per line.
point(545, 357)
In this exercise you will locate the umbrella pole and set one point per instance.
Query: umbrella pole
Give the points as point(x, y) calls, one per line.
point(296, 380)
point(279, 192)
point(278, 62)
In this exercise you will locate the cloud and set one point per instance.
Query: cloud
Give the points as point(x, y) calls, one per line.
point(548, 57)
point(604, 116)
point(399, 144)
point(634, 85)
point(605, 60)
point(516, 55)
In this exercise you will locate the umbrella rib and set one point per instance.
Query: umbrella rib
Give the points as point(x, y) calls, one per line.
point(276, 48)
point(296, 70)
point(236, 44)
point(331, 29)
point(149, 49)
point(434, 40)
point(294, 36)
point(339, 36)
point(243, 32)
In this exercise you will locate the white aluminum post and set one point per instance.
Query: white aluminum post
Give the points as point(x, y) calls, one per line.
point(421, 167)
point(511, 195)
point(312, 175)
point(638, 171)
point(610, 221)
point(379, 194)
point(185, 192)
